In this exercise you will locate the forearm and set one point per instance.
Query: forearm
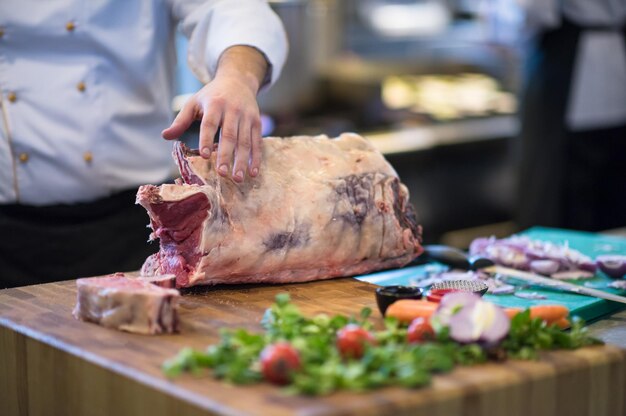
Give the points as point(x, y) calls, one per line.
point(244, 62)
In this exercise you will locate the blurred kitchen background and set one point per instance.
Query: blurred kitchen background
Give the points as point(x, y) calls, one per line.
point(432, 83)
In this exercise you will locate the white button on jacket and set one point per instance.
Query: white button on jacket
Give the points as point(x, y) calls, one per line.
point(95, 78)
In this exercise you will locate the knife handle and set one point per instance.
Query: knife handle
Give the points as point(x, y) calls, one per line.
point(455, 258)
point(449, 256)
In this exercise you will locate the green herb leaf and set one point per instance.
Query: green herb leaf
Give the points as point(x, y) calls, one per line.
point(392, 361)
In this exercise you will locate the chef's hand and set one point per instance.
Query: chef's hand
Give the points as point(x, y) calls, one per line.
point(229, 102)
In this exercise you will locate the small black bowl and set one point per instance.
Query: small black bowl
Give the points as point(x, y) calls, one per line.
point(387, 295)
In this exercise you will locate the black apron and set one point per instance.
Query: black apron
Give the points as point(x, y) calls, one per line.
point(567, 179)
point(60, 242)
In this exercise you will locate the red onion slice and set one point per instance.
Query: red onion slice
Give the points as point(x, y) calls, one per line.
point(479, 245)
point(463, 329)
point(520, 252)
point(503, 290)
point(618, 284)
point(530, 295)
point(499, 327)
point(545, 267)
point(458, 299)
point(588, 265)
point(614, 265)
point(479, 322)
point(452, 303)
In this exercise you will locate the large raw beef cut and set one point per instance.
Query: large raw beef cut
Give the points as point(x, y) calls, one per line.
point(320, 208)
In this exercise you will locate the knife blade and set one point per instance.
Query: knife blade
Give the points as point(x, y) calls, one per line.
point(459, 259)
point(539, 280)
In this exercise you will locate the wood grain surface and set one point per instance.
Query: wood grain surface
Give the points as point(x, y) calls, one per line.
point(52, 364)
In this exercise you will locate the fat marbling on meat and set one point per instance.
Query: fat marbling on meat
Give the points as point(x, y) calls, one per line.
point(319, 208)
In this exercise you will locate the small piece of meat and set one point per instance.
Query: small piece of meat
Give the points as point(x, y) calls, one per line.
point(166, 281)
point(132, 304)
point(319, 208)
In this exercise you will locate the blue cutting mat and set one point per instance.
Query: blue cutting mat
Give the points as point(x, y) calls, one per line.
point(586, 307)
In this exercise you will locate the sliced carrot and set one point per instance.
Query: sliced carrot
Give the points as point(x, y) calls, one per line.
point(549, 313)
point(511, 312)
point(406, 310)
point(563, 323)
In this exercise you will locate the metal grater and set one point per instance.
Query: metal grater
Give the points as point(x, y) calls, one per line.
point(475, 286)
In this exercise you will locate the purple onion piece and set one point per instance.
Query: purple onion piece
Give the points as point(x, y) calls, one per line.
point(519, 251)
point(618, 284)
point(508, 256)
point(458, 299)
point(479, 245)
point(451, 304)
point(545, 267)
point(588, 265)
point(480, 321)
point(463, 329)
point(498, 329)
point(572, 275)
point(520, 263)
point(613, 265)
point(535, 254)
point(530, 295)
point(503, 290)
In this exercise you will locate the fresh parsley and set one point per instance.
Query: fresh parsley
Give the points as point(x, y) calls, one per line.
point(392, 361)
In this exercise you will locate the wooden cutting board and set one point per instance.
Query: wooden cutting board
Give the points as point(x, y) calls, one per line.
point(52, 364)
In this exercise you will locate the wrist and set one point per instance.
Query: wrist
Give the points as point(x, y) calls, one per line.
point(244, 63)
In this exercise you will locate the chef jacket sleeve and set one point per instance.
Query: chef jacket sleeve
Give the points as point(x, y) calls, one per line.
point(213, 26)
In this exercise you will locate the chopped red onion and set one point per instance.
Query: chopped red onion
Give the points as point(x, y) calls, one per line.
point(479, 245)
point(479, 322)
point(471, 319)
point(503, 290)
point(463, 329)
point(541, 257)
point(544, 267)
point(452, 303)
point(455, 299)
point(588, 266)
point(530, 295)
point(618, 284)
point(498, 328)
point(613, 265)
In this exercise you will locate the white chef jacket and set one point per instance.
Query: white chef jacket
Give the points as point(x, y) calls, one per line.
point(86, 87)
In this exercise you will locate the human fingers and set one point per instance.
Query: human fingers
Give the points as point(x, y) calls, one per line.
point(228, 141)
point(183, 120)
point(242, 154)
point(256, 143)
point(208, 127)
